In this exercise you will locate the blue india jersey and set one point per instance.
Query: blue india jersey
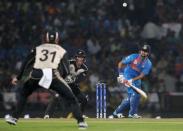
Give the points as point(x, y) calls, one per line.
point(135, 66)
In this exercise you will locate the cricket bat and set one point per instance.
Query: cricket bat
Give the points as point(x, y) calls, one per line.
point(141, 92)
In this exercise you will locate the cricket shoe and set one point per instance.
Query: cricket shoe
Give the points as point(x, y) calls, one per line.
point(119, 115)
point(11, 120)
point(84, 116)
point(111, 117)
point(82, 125)
point(70, 115)
point(46, 117)
point(136, 116)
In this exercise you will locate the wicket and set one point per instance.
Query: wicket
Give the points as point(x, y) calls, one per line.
point(101, 100)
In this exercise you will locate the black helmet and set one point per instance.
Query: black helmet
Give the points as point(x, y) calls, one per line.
point(80, 53)
point(146, 48)
point(52, 37)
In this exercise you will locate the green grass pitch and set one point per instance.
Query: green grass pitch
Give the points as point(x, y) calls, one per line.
point(143, 124)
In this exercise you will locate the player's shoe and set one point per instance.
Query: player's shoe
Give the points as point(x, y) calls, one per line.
point(111, 117)
point(82, 125)
point(70, 115)
point(26, 116)
point(136, 116)
point(46, 117)
point(119, 115)
point(11, 120)
point(84, 116)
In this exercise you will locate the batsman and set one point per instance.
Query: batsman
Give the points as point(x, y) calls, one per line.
point(131, 70)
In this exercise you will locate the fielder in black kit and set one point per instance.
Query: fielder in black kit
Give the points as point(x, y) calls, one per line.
point(78, 72)
point(47, 61)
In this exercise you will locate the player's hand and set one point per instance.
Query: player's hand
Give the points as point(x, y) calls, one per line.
point(128, 82)
point(120, 79)
point(14, 81)
point(70, 79)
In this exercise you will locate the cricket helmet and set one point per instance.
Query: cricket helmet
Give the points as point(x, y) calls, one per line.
point(146, 48)
point(80, 53)
point(51, 37)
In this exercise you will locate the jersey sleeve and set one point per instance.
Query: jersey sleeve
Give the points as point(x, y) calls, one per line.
point(129, 59)
point(147, 68)
point(64, 66)
point(28, 62)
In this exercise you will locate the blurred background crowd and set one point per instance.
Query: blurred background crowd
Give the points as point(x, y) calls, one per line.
point(107, 31)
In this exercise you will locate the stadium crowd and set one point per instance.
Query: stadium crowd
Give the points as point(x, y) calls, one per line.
point(106, 30)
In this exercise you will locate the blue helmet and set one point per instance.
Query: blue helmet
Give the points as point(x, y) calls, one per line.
point(146, 48)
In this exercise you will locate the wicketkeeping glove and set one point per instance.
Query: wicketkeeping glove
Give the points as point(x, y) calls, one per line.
point(70, 79)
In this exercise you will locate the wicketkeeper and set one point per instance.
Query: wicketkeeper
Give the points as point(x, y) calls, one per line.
point(78, 73)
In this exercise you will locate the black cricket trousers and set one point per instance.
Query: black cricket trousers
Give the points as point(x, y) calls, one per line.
point(58, 86)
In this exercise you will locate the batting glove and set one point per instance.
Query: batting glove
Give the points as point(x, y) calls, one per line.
point(120, 78)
